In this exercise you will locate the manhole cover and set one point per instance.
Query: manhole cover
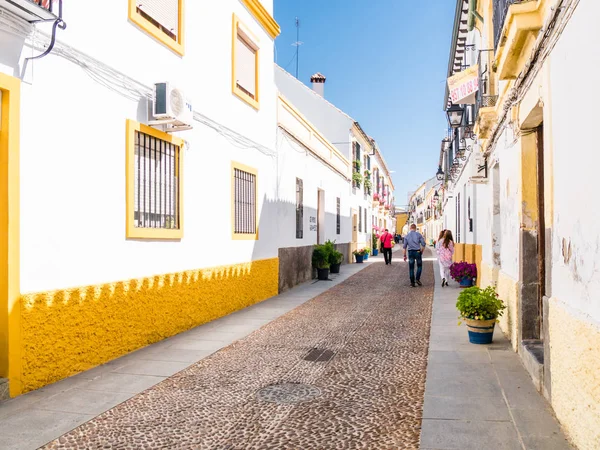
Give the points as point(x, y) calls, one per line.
point(286, 393)
point(319, 355)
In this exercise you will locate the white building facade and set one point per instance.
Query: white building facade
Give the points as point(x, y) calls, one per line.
point(107, 211)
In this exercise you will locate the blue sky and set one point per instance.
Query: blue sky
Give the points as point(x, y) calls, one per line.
point(386, 63)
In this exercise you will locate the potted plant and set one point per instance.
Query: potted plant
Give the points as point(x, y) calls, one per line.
point(335, 257)
point(464, 273)
point(357, 178)
point(359, 255)
point(320, 261)
point(375, 242)
point(367, 253)
point(480, 309)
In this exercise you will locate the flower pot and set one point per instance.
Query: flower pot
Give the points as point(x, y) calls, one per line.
point(335, 268)
point(359, 259)
point(323, 274)
point(375, 252)
point(366, 256)
point(480, 331)
point(466, 282)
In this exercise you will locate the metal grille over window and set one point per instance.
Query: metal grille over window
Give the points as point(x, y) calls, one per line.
point(156, 183)
point(299, 209)
point(365, 213)
point(245, 202)
point(245, 67)
point(338, 218)
point(162, 13)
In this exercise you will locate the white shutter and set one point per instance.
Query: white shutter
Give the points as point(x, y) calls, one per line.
point(165, 12)
point(245, 66)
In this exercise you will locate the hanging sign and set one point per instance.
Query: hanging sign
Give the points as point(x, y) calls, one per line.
point(464, 85)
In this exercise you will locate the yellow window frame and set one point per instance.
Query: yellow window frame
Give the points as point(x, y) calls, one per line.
point(253, 171)
point(177, 46)
point(239, 29)
point(133, 232)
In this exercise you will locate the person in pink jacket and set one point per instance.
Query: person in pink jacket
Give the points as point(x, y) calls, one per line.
point(445, 252)
point(386, 244)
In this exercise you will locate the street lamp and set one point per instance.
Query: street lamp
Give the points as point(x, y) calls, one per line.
point(455, 116)
point(440, 174)
point(436, 198)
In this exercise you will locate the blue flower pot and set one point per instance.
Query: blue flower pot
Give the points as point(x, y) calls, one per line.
point(466, 282)
point(480, 331)
point(359, 259)
point(366, 256)
point(375, 252)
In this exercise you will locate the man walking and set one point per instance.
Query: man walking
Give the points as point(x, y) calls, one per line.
point(415, 244)
point(386, 244)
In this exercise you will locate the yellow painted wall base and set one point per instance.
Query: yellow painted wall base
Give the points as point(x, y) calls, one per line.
point(69, 331)
point(575, 368)
point(508, 289)
point(459, 253)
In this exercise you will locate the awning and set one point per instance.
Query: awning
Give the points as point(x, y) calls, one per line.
point(464, 85)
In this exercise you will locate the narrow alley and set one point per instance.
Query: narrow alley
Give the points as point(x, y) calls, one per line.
point(346, 367)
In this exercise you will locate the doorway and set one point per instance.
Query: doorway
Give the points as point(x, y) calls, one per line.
point(320, 216)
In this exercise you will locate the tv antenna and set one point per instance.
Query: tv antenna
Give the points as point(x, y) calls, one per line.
point(297, 44)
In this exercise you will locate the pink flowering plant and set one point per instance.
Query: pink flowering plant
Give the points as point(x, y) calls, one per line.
point(462, 270)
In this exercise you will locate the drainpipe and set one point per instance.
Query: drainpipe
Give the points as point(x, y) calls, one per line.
point(473, 15)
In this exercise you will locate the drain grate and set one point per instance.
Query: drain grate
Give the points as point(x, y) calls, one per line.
point(319, 355)
point(286, 393)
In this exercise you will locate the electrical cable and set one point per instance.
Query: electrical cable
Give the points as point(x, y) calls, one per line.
point(115, 80)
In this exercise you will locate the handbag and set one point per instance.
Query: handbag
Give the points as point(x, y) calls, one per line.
point(382, 246)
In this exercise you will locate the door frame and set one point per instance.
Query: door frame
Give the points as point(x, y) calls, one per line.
point(10, 343)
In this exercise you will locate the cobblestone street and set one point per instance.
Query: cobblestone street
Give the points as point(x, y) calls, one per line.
point(344, 370)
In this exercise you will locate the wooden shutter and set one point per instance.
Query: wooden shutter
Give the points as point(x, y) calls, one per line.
point(165, 12)
point(245, 66)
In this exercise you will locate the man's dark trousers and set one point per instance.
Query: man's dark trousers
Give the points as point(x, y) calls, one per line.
point(415, 255)
point(387, 255)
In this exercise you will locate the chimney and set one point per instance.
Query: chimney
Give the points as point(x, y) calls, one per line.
point(318, 83)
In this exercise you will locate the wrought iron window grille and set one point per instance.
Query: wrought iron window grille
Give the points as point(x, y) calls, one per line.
point(156, 183)
point(244, 202)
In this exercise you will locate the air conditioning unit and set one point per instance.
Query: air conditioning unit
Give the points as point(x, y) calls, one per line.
point(172, 108)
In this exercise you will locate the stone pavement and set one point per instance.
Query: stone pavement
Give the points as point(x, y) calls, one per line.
point(343, 370)
point(33, 419)
point(480, 396)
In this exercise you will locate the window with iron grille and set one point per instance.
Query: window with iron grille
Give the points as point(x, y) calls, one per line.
point(299, 209)
point(365, 213)
point(244, 200)
point(338, 217)
point(360, 219)
point(156, 183)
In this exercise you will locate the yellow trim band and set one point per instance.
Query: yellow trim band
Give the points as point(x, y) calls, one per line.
point(72, 330)
point(10, 326)
point(263, 17)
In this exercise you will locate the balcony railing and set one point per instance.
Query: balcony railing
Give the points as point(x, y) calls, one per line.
point(486, 95)
point(500, 12)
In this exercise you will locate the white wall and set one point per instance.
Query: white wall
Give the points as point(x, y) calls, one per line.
point(576, 159)
point(295, 161)
point(73, 150)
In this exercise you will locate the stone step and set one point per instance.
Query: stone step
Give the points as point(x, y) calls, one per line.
point(4, 389)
